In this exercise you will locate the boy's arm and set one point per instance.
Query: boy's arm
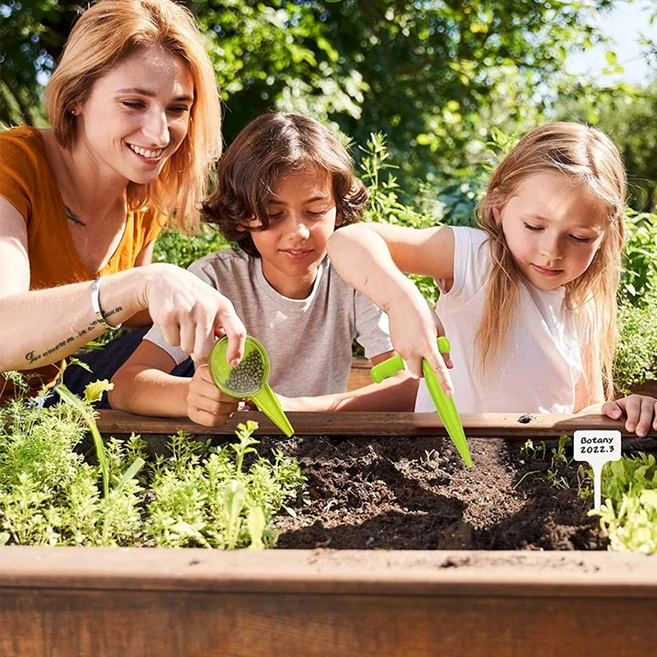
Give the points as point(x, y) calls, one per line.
point(143, 385)
point(394, 394)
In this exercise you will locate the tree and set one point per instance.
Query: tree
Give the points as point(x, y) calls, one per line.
point(434, 75)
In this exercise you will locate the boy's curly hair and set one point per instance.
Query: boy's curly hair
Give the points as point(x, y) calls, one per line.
point(273, 145)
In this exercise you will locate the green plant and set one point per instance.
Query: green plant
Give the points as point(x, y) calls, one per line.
point(628, 516)
point(387, 204)
point(558, 470)
point(636, 359)
point(180, 249)
point(558, 463)
point(224, 497)
point(640, 258)
point(533, 452)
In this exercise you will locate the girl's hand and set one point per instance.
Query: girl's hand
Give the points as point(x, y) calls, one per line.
point(191, 312)
point(414, 330)
point(641, 410)
point(206, 404)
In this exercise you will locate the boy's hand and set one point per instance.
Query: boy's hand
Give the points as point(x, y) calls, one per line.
point(641, 410)
point(206, 404)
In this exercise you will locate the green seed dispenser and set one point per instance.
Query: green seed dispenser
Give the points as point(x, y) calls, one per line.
point(248, 380)
point(444, 405)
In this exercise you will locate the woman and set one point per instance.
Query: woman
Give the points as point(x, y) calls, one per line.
point(135, 118)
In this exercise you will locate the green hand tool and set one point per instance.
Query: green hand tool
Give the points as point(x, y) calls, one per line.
point(444, 405)
point(248, 380)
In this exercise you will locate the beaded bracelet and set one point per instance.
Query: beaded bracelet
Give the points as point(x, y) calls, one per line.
point(95, 304)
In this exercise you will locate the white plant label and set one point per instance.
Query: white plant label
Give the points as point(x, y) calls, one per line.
point(597, 447)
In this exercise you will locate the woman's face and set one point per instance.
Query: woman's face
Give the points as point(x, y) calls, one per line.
point(137, 115)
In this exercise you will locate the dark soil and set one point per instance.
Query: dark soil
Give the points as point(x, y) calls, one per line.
point(415, 493)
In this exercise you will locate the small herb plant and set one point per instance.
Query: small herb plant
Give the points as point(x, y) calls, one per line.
point(198, 495)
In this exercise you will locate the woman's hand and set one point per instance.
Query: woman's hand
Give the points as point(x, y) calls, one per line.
point(206, 404)
point(191, 313)
point(414, 330)
point(640, 410)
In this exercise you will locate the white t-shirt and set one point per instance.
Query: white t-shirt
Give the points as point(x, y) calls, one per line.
point(540, 364)
point(309, 341)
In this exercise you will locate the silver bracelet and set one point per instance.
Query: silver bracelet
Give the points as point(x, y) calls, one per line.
point(95, 304)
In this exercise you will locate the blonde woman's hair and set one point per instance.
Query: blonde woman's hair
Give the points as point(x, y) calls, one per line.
point(106, 34)
point(588, 158)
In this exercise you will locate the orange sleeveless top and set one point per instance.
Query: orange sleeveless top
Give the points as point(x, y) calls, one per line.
point(28, 183)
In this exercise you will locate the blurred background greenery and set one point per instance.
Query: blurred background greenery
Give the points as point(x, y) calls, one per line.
point(429, 94)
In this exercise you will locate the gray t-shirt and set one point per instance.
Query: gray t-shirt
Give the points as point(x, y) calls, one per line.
point(308, 340)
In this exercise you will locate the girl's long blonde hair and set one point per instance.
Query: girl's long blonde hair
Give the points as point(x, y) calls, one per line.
point(107, 33)
point(588, 157)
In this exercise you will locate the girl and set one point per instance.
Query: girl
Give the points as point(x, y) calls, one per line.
point(283, 186)
point(135, 118)
point(528, 299)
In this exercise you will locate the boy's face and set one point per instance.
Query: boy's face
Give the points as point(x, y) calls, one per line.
point(302, 216)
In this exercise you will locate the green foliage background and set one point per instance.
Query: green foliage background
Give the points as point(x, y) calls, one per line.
point(436, 77)
point(430, 92)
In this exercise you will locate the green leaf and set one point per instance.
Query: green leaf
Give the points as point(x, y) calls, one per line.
point(256, 525)
point(94, 391)
point(134, 468)
point(87, 414)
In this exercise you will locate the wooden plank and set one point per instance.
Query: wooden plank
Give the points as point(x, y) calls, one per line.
point(486, 425)
point(144, 624)
point(174, 603)
point(418, 572)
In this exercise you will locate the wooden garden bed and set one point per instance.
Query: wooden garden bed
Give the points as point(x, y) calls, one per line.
point(341, 602)
point(510, 426)
point(158, 603)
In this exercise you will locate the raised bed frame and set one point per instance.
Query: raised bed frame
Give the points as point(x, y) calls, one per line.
point(156, 602)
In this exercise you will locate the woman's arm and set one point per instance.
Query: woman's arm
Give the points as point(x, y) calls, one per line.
point(42, 326)
point(143, 317)
point(371, 258)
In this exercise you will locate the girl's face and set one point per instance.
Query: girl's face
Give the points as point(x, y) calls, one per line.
point(553, 228)
point(302, 215)
point(137, 115)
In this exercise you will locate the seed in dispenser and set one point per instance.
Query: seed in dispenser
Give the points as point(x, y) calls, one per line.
point(248, 375)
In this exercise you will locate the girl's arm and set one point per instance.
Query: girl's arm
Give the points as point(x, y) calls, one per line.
point(43, 326)
point(143, 385)
point(372, 257)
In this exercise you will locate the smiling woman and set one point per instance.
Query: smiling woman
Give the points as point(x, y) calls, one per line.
point(136, 123)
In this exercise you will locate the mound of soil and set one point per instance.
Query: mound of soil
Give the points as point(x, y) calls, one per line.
point(416, 493)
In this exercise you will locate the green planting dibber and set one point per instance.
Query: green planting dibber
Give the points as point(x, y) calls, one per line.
point(248, 380)
point(444, 405)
